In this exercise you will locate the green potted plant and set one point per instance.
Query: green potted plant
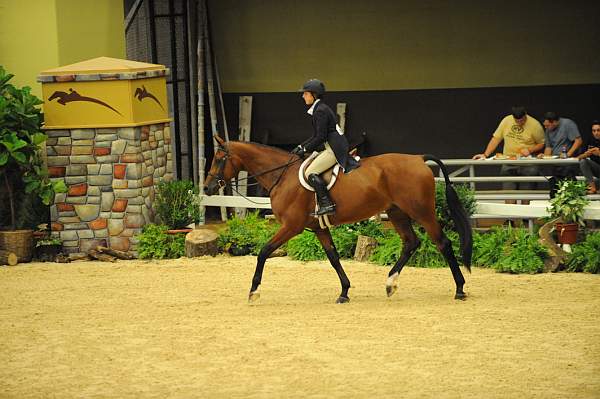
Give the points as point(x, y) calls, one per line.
point(22, 171)
point(568, 206)
point(176, 204)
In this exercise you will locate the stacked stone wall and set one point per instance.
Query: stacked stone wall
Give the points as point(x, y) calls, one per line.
point(111, 174)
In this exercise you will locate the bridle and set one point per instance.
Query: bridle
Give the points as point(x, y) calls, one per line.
point(220, 178)
point(221, 162)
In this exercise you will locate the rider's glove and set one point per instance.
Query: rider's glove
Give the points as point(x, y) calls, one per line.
point(299, 150)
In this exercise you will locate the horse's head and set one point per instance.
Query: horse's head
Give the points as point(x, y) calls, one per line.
point(221, 170)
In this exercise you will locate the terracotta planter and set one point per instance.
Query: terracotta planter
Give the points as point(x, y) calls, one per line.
point(179, 231)
point(567, 232)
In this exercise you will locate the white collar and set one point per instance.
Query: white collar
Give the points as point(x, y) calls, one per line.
point(312, 109)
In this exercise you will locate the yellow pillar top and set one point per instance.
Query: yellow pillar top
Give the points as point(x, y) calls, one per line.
point(104, 92)
point(103, 66)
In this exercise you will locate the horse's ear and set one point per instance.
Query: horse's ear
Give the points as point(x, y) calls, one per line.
point(219, 140)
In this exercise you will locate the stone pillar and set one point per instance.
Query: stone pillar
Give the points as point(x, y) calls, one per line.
point(111, 171)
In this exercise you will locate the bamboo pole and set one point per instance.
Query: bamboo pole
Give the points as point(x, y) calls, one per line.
point(201, 89)
point(191, 17)
point(214, 57)
point(211, 97)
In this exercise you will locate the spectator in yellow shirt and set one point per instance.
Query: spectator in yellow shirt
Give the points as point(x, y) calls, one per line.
point(523, 136)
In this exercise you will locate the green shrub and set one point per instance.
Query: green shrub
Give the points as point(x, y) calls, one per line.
point(155, 243)
point(586, 255)
point(22, 168)
point(176, 203)
point(305, 247)
point(427, 255)
point(389, 249)
point(466, 195)
point(487, 247)
point(521, 253)
point(346, 235)
point(246, 235)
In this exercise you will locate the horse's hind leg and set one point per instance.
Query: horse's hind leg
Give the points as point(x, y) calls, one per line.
point(324, 237)
point(402, 224)
point(444, 245)
point(282, 235)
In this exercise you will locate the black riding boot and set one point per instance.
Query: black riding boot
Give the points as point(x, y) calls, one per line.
point(326, 205)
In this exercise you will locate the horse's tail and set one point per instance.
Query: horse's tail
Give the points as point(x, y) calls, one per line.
point(457, 213)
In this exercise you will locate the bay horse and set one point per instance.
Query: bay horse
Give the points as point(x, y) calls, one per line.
point(400, 184)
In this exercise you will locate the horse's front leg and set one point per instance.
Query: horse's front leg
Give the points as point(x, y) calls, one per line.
point(324, 237)
point(282, 235)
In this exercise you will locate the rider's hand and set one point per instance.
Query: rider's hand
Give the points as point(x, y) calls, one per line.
point(479, 156)
point(299, 150)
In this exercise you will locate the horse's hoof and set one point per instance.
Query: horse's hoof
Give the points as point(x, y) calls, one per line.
point(254, 296)
point(342, 299)
point(390, 289)
point(391, 284)
point(460, 295)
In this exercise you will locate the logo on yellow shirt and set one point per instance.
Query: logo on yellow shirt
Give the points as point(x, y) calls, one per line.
point(515, 131)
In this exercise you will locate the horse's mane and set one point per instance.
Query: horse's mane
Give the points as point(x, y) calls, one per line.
point(264, 146)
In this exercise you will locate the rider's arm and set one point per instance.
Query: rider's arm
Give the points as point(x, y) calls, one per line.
point(320, 136)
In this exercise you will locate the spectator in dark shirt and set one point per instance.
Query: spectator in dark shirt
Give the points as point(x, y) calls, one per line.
point(589, 161)
point(562, 139)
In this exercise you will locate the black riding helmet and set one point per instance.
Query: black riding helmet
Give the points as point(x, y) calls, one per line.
point(314, 86)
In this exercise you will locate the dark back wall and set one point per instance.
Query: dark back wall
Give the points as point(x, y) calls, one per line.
point(451, 123)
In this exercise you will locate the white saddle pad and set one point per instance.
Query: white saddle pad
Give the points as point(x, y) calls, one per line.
point(305, 164)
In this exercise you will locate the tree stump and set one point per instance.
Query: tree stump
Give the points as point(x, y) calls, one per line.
point(8, 258)
point(201, 242)
point(364, 248)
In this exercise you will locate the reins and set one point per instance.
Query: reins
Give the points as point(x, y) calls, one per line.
point(222, 183)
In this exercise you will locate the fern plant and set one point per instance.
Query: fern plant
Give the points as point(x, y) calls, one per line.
point(521, 253)
point(586, 255)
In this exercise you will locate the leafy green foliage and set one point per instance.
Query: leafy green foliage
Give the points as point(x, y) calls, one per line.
point(521, 252)
point(389, 249)
point(487, 246)
point(251, 233)
point(427, 255)
point(176, 203)
point(305, 247)
point(155, 243)
point(20, 145)
point(586, 255)
point(466, 195)
point(346, 235)
point(569, 201)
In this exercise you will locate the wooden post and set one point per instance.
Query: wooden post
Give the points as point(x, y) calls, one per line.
point(245, 123)
point(201, 89)
point(364, 248)
point(341, 111)
point(211, 98)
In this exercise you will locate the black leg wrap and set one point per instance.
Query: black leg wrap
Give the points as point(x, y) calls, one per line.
point(459, 280)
